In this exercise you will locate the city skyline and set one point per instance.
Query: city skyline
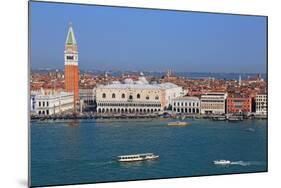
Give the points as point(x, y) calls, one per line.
point(176, 92)
point(116, 41)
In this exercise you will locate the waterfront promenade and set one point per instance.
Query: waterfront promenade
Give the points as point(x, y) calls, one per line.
point(147, 116)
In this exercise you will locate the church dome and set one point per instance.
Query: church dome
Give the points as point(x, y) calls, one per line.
point(143, 80)
point(128, 81)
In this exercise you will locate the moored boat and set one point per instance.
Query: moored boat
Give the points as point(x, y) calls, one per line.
point(137, 157)
point(219, 118)
point(178, 123)
point(235, 118)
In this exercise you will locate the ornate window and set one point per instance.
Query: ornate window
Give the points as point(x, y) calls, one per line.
point(138, 96)
point(113, 95)
point(123, 95)
point(103, 95)
point(147, 97)
point(157, 97)
point(130, 97)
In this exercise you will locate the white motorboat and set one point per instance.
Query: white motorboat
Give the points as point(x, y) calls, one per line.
point(178, 123)
point(222, 162)
point(137, 157)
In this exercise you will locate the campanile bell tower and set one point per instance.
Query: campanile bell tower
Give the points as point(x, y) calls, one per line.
point(71, 70)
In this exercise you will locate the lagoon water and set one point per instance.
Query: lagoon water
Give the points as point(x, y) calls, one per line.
point(85, 151)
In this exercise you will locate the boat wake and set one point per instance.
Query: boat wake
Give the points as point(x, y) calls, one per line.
point(247, 163)
point(101, 163)
point(242, 163)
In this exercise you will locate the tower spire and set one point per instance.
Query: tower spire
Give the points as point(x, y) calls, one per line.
point(70, 39)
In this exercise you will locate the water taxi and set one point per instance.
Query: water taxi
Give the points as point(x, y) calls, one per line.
point(137, 157)
point(235, 118)
point(222, 162)
point(178, 123)
point(219, 118)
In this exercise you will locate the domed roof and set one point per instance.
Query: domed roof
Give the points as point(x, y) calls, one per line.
point(128, 81)
point(143, 80)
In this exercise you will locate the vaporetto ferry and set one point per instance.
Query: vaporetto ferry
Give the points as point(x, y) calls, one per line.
point(137, 157)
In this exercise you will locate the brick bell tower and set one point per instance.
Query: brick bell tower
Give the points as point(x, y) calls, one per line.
point(71, 70)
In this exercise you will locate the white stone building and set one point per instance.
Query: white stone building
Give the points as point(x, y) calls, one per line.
point(135, 96)
point(213, 103)
point(50, 104)
point(261, 104)
point(172, 91)
point(186, 105)
point(87, 95)
point(32, 104)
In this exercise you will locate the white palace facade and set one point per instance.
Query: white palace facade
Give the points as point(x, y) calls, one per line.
point(186, 105)
point(139, 97)
point(51, 103)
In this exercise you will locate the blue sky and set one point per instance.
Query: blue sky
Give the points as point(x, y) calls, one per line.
point(111, 38)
